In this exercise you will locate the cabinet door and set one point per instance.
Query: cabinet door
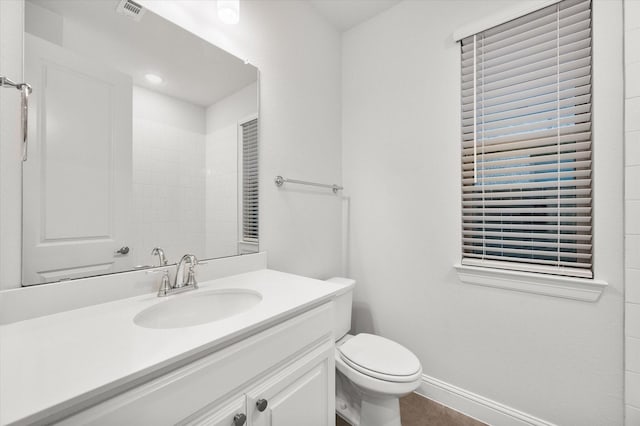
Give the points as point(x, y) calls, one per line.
point(300, 395)
point(232, 413)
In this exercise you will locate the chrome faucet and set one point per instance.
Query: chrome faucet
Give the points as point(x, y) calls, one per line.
point(190, 280)
point(184, 280)
point(160, 253)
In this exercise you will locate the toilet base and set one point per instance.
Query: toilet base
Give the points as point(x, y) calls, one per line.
point(348, 400)
point(380, 412)
point(361, 408)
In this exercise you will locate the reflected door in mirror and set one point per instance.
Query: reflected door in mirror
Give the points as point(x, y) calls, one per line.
point(77, 181)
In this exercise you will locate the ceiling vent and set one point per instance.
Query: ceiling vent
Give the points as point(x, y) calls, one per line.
point(131, 9)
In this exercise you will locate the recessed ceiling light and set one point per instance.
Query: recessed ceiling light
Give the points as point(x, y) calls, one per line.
point(153, 78)
point(229, 11)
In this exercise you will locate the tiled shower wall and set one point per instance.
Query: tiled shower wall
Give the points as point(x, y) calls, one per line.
point(632, 211)
point(168, 176)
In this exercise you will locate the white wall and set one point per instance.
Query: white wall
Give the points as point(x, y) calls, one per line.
point(555, 359)
point(632, 210)
point(222, 185)
point(169, 137)
point(43, 23)
point(298, 55)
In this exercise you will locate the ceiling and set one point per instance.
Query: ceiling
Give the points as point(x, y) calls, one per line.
point(346, 14)
point(95, 30)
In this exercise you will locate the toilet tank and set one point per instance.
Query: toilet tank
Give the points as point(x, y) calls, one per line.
point(342, 306)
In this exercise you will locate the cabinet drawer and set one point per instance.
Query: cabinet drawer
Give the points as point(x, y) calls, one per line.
point(215, 377)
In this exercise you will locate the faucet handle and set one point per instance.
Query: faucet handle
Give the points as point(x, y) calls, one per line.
point(191, 271)
point(191, 278)
point(165, 283)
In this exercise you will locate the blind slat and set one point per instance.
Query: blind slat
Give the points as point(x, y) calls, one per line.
point(531, 227)
point(520, 159)
point(510, 125)
point(529, 235)
point(533, 137)
point(509, 203)
point(556, 192)
point(520, 172)
point(529, 252)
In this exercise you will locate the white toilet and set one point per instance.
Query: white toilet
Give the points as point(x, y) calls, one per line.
point(372, 372)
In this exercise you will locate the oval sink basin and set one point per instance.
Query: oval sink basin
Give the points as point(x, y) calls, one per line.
point(197, 308)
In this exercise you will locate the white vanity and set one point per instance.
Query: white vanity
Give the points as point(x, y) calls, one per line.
point(270, 364)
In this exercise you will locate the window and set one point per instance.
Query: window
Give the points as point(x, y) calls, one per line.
point(526, 143)
point(250, 181)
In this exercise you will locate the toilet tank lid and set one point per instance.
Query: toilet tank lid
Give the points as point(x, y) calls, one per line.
point(347, 282)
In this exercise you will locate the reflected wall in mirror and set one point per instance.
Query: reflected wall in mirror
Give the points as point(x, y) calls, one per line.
point(142, 135)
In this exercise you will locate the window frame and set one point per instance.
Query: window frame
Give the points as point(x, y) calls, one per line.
point(246, 246)
point(582, 289)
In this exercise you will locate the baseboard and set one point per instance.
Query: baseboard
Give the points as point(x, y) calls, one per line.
point(476, 406)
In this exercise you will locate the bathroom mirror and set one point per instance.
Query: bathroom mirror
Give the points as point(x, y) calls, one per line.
point(141, 135)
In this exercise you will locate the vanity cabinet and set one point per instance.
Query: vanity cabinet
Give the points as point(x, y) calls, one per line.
point(282, 376)
point(295, 395)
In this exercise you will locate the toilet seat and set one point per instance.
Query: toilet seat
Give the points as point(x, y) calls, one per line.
point(380, 358)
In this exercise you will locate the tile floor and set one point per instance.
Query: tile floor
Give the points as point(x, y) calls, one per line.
point(418, 411)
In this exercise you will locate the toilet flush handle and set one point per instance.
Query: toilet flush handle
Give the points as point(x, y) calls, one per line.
point(261, 404)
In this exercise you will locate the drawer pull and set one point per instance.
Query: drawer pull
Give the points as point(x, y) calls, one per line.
point(261, 404)
point(239, 419)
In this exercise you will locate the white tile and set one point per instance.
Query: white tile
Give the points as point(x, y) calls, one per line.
point(632, 114)
point(632, 46)
point(632, 320)
point(632, 148)
point(632, 183)
point(632, 354)
point(632, 416)
point(632, 251)
point(631, 16)
point(632, 389)
point(632, 82)
point(632, 285)
point(632, 217)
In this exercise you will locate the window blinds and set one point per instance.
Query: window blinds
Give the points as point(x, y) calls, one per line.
point(250, 181)
point(526, 143)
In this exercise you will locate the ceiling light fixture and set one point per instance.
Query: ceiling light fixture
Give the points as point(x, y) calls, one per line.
point(229, 11)
point(153, 78)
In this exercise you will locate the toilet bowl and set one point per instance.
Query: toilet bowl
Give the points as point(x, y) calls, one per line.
point(372, 372)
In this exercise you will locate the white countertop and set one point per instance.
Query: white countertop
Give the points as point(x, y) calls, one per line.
point(51, 363)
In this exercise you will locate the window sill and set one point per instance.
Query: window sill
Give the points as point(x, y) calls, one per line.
point(582, 289)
